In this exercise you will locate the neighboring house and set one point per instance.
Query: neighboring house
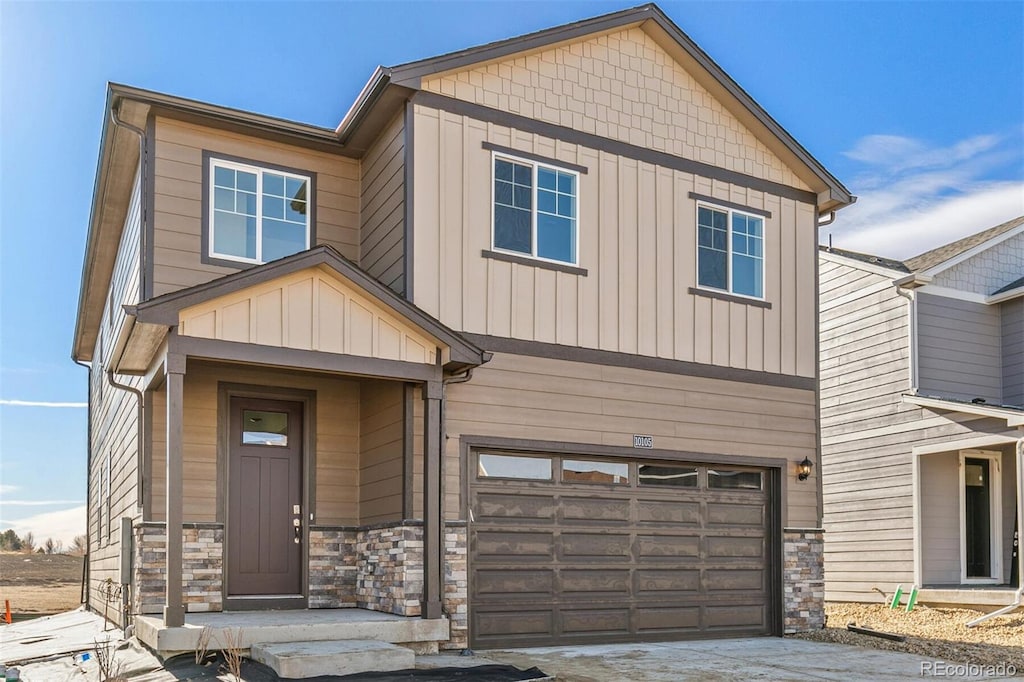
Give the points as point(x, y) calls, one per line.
point(922, 419)
point(526, 347)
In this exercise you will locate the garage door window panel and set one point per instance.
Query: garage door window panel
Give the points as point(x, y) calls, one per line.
point(583, 471)
point(662, 475)
point(512, 466)
point(735, 480)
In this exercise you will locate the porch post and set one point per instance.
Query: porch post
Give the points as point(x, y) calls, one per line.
point(174, 611)
point(1020, 512)
point(433, 567)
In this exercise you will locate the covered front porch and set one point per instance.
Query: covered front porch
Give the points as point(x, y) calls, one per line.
point(968, 508)
point(293, 421)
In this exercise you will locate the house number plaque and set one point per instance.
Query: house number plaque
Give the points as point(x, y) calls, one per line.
point(646, 442)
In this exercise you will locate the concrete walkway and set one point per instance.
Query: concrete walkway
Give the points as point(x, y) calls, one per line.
point(724, 660)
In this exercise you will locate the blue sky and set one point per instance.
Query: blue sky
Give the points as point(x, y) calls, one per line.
point(917, 107)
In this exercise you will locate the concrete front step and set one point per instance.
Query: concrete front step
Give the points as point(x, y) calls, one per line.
point(296, 660)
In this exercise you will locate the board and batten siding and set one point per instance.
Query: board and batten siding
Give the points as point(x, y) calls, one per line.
point(115, 420)
point(1013, 352)
point(516, 396)
point(178, 188)
point(868, 433)
point(637, 241)
point(382, 207)
point(959, 348)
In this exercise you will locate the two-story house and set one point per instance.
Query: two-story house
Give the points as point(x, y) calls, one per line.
point(922, 420)
point(524, 351)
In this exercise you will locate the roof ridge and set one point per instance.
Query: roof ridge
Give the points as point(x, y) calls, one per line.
point(933, 257)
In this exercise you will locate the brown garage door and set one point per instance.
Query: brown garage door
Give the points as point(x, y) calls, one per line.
point(567, 550)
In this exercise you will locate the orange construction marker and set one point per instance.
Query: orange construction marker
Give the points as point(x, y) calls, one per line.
point(7, 611)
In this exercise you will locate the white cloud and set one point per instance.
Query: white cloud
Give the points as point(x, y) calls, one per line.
point(39, 403)
point(37, 503)
point(914, 196)
point(61, 525)
point(7, 489)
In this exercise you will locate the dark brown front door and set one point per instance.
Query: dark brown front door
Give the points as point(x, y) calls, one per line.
point(264, 544)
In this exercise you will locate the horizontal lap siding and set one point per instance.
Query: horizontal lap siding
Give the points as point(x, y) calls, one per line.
point(381, 451)
point(1013, 352)
point(960, 348)
point(516, 396)
point(382, 207)
point(637, 240)
point(337, 441)
point(114, 417)
point(177, 200)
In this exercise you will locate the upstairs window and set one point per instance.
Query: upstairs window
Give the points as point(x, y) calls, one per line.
point(256, 214)
point(535, 209)
point(730, 251)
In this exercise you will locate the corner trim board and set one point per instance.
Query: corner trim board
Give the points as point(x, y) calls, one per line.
point(625, 149)
point(594, 356)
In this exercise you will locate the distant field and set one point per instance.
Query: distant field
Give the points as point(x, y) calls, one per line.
point(40, 583)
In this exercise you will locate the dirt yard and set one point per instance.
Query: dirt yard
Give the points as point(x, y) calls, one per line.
point(935, 633)
point(38, 584)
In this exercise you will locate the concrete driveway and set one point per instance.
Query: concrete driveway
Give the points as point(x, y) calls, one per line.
point(723, 660)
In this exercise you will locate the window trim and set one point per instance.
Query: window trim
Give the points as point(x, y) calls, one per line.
point(206, 246)
point(534, 165)
point(729, 210)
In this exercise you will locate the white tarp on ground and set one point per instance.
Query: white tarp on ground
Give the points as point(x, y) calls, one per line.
point(44, 649)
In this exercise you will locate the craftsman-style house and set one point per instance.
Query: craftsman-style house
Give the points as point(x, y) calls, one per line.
point(922, 392)
point(523, 352)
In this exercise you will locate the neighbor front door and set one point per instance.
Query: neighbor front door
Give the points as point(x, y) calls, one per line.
point(264, 515)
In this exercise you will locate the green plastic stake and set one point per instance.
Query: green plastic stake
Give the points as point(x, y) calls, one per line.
point(896, 597)
point(912, 599)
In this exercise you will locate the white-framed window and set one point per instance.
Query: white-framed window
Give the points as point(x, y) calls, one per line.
point(535, 209)
point(730, 250)
point(256, 214)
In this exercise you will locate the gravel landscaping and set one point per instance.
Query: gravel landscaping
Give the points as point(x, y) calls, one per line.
point(930, 632)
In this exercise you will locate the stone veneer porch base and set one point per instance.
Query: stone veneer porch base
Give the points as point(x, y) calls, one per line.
point(377, 568)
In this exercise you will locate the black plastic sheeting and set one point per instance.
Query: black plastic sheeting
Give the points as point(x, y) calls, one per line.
point(184, 668)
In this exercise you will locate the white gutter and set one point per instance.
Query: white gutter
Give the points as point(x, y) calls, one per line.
point(1019, 599)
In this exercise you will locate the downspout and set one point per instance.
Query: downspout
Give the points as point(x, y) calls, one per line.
point(88, 477)
point(1018, 600)
point(143, 173)
point(911, 296)
point(455, 379)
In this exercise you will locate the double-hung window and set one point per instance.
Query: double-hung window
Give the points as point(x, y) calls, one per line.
point(535, 210)
point(730, 251)
point(256, 214)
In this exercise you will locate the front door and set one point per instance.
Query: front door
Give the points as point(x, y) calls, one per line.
point(264, 531)
point(980, 500)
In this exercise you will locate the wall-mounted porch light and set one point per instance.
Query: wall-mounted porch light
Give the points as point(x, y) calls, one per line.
point(804, 469)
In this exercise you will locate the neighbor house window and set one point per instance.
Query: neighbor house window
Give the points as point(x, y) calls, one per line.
point(730, 251)
point(535, 209)
point(256, 214)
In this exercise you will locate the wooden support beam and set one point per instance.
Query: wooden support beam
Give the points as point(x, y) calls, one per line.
point(433, 566)
point(174, 610)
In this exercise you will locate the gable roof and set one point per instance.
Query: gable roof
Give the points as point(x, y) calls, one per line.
point(164, 310)
point(879, 261)
point(832, 195)
point(935, 257)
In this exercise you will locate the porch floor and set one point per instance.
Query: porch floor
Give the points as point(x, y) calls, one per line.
point(242, 629)
point(982, 596)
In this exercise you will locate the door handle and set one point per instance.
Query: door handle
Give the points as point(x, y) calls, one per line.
point(298, 534)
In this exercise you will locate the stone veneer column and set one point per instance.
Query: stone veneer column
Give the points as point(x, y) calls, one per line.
point(332, 567)
point(202, 567)
point(803, 579)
